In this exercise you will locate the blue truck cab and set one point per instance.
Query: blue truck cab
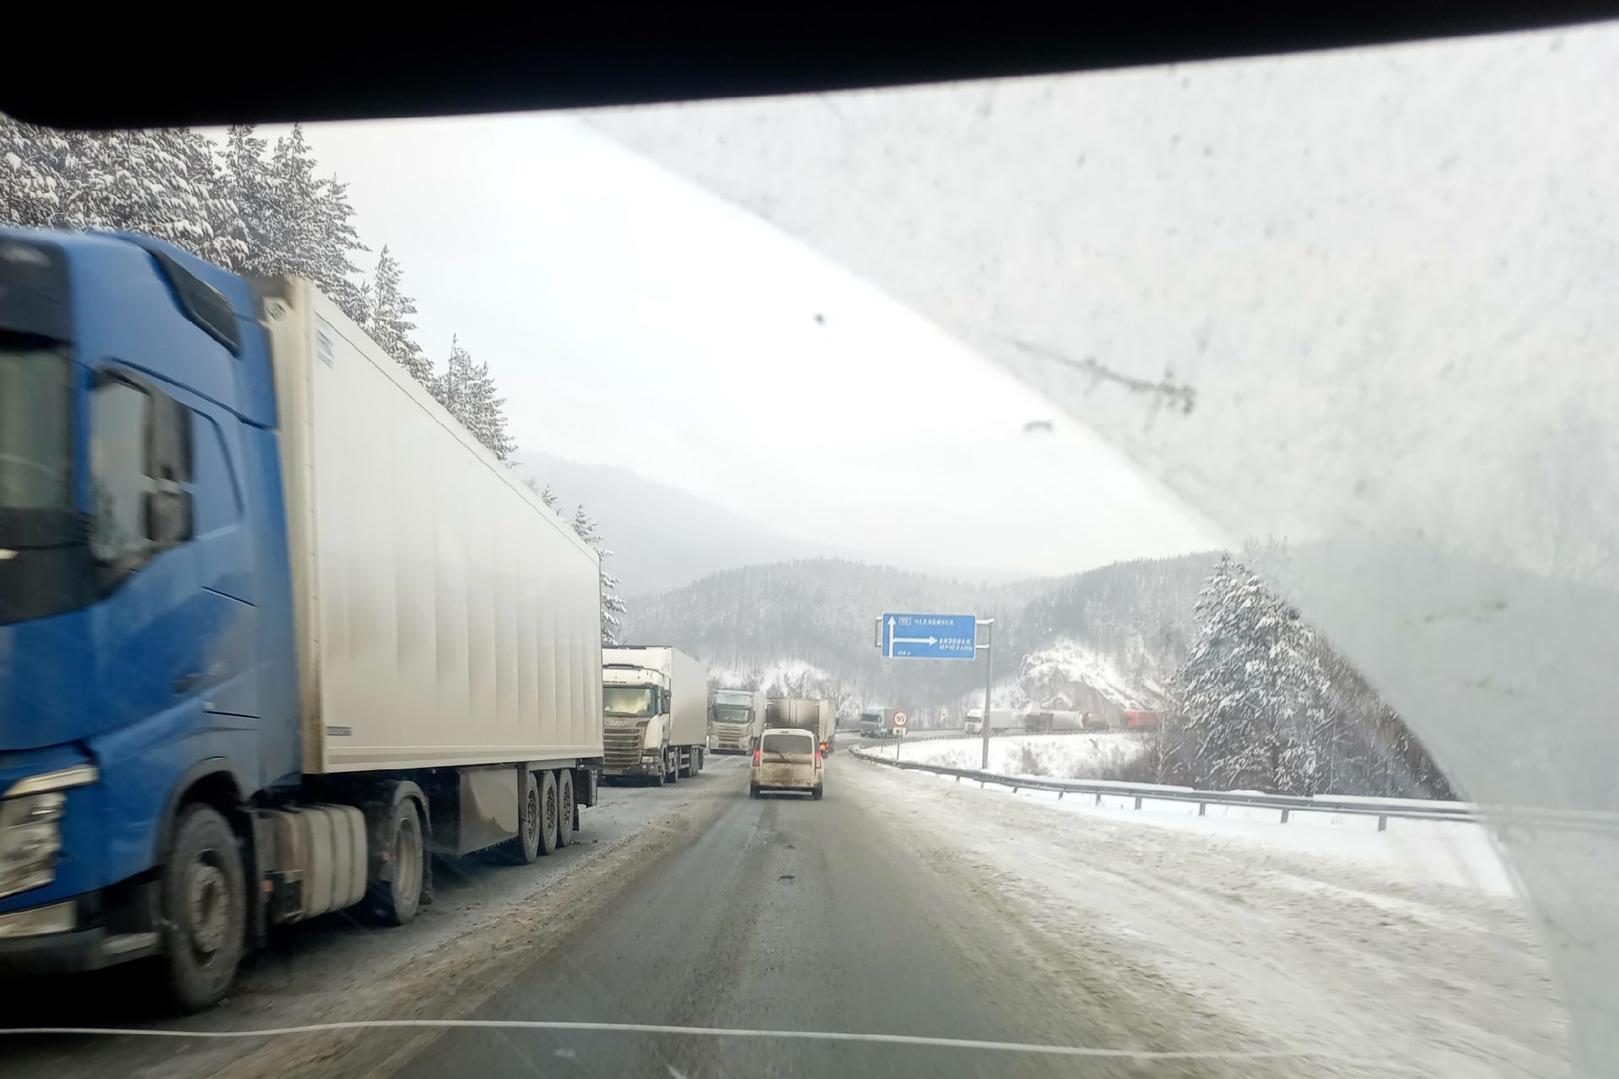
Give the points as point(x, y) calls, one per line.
point(145, 625)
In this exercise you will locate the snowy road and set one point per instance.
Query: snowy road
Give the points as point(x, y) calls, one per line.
point(914, 910)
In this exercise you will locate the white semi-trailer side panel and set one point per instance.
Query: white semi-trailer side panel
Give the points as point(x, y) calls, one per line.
point(445, 616)
point(688, 724)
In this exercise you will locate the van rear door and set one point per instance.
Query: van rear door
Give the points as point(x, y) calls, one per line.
point(787, 759)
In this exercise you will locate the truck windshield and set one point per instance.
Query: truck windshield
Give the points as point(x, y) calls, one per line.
point(628, 701)
point(730, 713)
point(36, 444)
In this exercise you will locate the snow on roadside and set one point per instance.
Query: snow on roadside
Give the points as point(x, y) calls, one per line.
point(1405, 944)
point(1443, 852)
point(1060, 756)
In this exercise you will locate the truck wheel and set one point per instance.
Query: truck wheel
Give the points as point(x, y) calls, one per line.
point(550, 812)
point(569, 814)
point(672, 763)
point(394, 902)
point(204, 898)
point(699, 755)
point(524, 847)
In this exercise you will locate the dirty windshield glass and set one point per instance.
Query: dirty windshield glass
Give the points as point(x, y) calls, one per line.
point(1240, 438)
point(629, 700)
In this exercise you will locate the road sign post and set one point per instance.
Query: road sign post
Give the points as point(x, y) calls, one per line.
point(988, 625)
point(935, 636)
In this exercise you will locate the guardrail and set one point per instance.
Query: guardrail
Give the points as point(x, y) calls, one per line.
point(1287, 804)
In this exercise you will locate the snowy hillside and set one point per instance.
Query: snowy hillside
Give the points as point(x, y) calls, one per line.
point(1069, 675)
point(1111, 636)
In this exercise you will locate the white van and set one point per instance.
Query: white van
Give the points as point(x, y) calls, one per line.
point(787, 759)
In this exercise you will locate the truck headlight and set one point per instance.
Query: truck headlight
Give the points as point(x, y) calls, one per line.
point(30, 827)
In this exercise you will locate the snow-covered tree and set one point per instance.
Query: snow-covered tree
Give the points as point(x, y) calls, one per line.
point(1253, 689)
point(164, 183)
point(468, 390)
point(612, 606)
point(35, 175)
point(388, 321)
point(286, 218)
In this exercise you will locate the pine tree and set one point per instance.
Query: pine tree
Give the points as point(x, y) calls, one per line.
point(612, 606)
point(163, 183)
point(467, 390)
point(247, 190)
point(36, 175)
point(1253, 689)
point(388, 322)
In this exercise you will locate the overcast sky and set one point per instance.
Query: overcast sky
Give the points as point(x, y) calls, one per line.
point(633, 319)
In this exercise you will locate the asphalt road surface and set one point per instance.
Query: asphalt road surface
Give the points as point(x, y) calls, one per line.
point(785, 914)
point(704, 909)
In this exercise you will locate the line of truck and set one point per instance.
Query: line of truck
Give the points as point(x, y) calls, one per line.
point(274, 627)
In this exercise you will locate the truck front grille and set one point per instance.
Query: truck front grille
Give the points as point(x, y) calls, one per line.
point(621, 747)
point(730, 736)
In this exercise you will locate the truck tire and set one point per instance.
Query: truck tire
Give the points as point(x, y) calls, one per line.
point(699, 755)
point(395, 902)
point(524, 847)
point(569, 812)
point(550, 812)
point(672, 763)
point(204, 896)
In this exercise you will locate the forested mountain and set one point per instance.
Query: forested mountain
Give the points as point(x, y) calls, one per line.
point(1137, 615)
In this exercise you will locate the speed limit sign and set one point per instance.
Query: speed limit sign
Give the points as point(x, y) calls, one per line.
point(900, 719)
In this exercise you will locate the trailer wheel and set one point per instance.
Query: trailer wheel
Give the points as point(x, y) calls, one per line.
point(395, 901)
point(524, 847)
point(204, 897)
point(549, 812)
point(569, 813)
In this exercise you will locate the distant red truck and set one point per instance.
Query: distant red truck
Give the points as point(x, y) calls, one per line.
point(1140, 721)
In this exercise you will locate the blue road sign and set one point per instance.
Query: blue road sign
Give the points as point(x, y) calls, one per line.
point(930, 636)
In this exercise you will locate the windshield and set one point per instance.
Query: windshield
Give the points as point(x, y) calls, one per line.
point(629, 701)
point(36, 437)
point(1216, 462)
point(782, 745)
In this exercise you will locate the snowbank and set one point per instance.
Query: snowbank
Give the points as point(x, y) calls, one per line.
point(1056, 756)
point(1408, 944)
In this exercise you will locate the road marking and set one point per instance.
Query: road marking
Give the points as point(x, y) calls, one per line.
point(718, 1032)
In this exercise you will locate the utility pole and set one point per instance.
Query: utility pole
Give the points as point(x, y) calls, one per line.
point(988, 627)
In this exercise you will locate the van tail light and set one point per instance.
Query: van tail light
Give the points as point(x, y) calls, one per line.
point(757, 754)
point(817, 756)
